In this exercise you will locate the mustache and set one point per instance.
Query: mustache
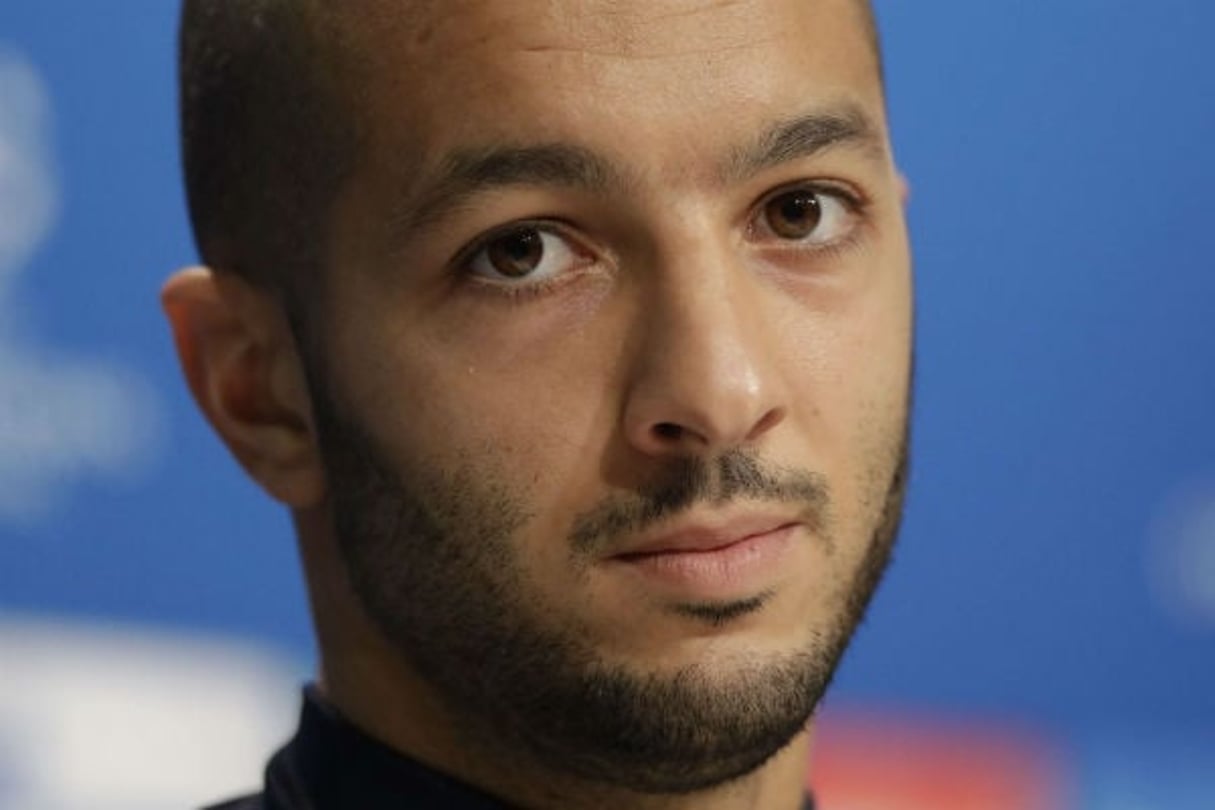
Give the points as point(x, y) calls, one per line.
point(690, 481)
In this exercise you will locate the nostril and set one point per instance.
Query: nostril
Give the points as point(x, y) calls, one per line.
point(768, 421)
point(668, 431)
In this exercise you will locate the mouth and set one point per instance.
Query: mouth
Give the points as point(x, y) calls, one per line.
point(728, 561)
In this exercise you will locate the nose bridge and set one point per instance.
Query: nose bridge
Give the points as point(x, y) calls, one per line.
point(705, 376)
point(706, 320)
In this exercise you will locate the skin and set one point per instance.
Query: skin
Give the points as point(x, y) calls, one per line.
point(679, 326)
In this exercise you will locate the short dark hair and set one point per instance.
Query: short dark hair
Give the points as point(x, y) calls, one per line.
point(268, 135)
point(270, 132)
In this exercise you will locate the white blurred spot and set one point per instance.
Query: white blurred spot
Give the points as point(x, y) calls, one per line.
point(62, 417)
point(29, 198)
point(99, 717)
point(1181, 554)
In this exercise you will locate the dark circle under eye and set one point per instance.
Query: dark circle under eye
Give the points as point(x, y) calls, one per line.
point(516, 254)
point(794, 214)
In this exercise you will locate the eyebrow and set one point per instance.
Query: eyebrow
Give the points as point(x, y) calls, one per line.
point(466, 173)
point(805, 136)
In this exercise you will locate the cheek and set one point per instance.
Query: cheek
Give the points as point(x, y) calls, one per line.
point(467, 375)
point(857, 399)
point(466, 416)
point(525, 424)
point(876, 438)
point(852, 370)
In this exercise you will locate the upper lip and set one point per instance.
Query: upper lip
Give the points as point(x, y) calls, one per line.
point(707, 534)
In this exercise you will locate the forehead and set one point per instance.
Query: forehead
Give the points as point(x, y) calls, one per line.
point(637, 28)
point(632, 76)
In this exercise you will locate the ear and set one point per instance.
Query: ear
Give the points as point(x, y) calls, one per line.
point(904, 189)
point(243, 367)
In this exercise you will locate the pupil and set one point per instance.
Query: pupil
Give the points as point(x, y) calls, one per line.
point(794, 215)
point(517, 254)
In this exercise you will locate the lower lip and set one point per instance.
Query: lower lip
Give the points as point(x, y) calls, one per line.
point(734, 570)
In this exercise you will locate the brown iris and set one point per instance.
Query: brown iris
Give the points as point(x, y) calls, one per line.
point(794, 214)
point(516, 254)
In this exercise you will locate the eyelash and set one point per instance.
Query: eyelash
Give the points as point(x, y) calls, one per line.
point(856, 204)
point(459, 265)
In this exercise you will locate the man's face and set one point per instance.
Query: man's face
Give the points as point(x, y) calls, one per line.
point(612, 367)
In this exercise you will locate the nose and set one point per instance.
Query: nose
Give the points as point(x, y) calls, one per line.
point(705, 376)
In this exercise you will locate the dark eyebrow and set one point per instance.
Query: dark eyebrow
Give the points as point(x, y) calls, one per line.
point(805, 136)
point(466, 173)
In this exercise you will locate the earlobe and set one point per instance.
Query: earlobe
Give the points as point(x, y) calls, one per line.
point(242, 366)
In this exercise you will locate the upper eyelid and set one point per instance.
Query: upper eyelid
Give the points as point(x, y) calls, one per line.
point(850, 194)
point(854, 201)
point(857, 203)
point(469, 251)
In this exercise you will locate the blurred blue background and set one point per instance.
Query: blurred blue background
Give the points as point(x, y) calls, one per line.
point(1057, 567)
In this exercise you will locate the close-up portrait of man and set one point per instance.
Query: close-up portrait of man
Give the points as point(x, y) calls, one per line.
point(606, 405)
point(576, 337)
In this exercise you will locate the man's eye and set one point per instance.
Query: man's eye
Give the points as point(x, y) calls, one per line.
point(807, 215)
point(526, 253)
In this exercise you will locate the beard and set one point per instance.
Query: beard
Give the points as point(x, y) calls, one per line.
point(433, 558)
